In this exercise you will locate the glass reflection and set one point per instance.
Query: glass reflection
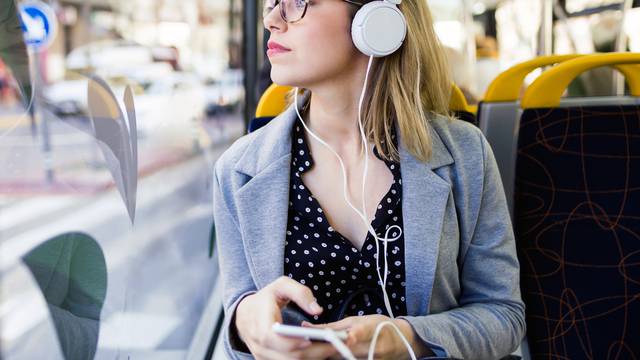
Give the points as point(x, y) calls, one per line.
point(71, 272)
point(13, 55)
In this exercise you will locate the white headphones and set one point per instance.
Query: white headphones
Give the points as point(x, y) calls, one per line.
point(379, 28)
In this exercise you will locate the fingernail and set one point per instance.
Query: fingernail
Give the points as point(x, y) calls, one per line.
point(305, 344)
point(315, 307)
point(305, 323)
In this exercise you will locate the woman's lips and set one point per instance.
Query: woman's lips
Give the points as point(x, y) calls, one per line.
point(274, 48)
point(272, 52)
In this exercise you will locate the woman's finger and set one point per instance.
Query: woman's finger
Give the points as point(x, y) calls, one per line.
point(315, 326)
point(318, 350)
point(263, 353)
point(343, 324)
point(282, 343)
point(287, 289)
point(363, 337)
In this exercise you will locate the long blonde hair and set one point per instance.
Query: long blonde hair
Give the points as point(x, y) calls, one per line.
point(408, 87)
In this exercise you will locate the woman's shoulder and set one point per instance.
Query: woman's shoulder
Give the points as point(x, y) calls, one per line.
point(255, 151)
point(230, 157)
point(464, 141)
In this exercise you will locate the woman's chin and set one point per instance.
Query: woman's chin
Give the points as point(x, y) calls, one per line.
point(288, 78)
point(283, 81)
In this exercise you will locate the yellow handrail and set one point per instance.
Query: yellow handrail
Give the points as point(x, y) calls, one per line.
point(547, 90)
point(458, 102)
point(506, 86)
point(273, 101)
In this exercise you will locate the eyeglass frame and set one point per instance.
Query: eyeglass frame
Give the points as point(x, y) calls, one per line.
point(306, 6)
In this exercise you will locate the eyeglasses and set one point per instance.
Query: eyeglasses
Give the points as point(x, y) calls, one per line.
point(292, 11)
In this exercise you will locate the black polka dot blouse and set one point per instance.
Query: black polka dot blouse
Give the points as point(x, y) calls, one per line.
point(343, 279)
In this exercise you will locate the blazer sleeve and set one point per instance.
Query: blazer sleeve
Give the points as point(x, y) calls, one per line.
point(490, 320)
point(237, 282)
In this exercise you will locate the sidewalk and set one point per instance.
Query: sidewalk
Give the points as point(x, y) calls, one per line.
point(84, 176)
point(78, 164)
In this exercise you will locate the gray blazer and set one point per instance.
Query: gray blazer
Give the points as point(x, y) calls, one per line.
point(462, 273)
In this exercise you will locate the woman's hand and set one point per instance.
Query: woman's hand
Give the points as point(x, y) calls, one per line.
point(389, 345)
point(256, 314)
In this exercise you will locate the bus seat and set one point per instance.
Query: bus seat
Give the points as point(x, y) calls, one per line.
point(498, 113)
point(459, 107)
point(577, 216)
point(271, 104)
point(274, 101)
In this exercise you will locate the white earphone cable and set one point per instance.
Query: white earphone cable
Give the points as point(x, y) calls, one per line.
point(387, 303)
point(363, 215)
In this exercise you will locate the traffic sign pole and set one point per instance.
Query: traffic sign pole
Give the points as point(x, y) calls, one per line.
point(40, 26)
point(43, 118)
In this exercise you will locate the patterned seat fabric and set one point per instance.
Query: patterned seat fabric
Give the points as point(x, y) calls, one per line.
point(577, 223)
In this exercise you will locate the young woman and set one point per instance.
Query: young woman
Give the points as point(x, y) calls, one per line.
point(287, 237)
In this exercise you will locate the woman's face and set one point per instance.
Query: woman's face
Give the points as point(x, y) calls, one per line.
point(319, 45)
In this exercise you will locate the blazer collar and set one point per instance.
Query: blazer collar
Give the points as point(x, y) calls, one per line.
point(263, 202)
point(274, 141)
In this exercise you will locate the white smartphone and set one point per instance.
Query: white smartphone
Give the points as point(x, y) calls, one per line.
point(308, 333)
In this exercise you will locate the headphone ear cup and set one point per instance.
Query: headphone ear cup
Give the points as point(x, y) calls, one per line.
point(378, 29)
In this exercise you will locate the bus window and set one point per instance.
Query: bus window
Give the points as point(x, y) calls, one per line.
point(108, 137)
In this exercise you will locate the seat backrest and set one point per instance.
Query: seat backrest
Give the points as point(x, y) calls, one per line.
point(271, 104)
point(460, 108)
point(274, 101)
point(577, 217)
point(499, 112)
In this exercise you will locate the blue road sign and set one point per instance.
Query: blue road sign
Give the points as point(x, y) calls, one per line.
point(39, 24)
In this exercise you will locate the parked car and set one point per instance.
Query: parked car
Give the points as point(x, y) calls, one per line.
point(69, 97)
point(172, 108)
point(108, 54)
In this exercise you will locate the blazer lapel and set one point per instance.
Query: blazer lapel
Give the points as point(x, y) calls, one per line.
point(262, 213)
point(263, 202)
point(424, 200)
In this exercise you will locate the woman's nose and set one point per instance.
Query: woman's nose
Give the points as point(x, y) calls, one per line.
point(273, 21)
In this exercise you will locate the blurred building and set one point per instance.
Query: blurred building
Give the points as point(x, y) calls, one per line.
point(189, 34)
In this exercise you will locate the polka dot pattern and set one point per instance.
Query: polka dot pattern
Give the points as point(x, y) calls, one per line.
point(322, 259)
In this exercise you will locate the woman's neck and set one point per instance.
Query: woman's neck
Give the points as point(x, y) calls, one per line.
point(333, 111)
point(333, 114)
